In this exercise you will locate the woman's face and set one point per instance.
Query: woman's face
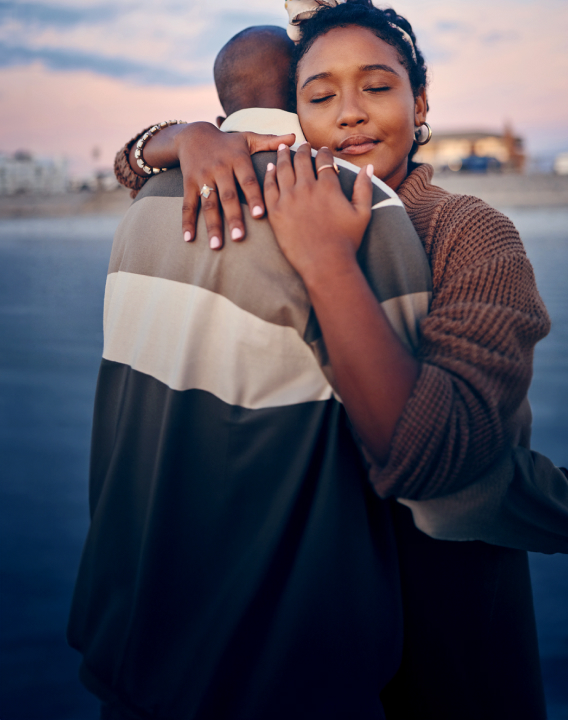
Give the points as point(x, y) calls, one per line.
point(354, 97)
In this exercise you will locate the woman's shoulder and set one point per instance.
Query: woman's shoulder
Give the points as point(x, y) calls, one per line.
point(461, 223)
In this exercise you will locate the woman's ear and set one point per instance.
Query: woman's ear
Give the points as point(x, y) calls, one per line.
point(420, 108)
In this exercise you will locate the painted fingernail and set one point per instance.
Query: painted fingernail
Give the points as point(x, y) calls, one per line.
point(370, 170)
point(257, 210)
point(304, 142)
point(187, 236)
point(324, 147)
point(282, 146)
point(236, 234)
point(214, 243)
point(269, 167)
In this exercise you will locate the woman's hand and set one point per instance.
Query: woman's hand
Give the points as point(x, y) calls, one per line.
point(220, 160)
point(318, 229)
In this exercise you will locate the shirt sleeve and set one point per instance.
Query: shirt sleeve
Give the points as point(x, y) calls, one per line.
point(476, 351)
point(123, 170)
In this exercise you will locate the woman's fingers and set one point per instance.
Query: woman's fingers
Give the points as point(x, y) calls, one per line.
point(303, 166)
point(244, 171)
point(212, 214)
point(232, 210)
point(326, 168)
point(189, 210)
point(271, 191)
point(363, 193)
point(248, 182)
point(284, 169)
point(264, 143)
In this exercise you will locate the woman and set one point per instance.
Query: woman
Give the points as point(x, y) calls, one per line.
point(445, 415)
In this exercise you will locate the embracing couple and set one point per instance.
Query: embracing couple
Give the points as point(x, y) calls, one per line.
point(277, 414)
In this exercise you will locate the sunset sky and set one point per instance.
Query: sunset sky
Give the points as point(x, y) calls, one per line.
point(75, 74)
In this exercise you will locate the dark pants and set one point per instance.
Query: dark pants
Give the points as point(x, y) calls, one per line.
point(470, 647)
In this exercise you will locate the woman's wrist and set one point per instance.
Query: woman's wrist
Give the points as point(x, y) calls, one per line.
point(160, 151)
point(322, 273)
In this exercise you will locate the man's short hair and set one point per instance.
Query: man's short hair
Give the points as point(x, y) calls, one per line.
point(252, 69)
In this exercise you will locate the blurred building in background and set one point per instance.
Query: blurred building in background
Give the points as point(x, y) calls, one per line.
point(475, 151)
point(561, 164)
point(23, 172)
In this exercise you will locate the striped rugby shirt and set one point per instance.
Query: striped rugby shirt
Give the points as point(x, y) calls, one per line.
point(238, 563)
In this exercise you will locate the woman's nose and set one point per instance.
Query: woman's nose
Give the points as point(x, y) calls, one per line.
point(352, 113)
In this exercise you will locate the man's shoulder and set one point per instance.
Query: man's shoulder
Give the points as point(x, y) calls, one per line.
point(265, 121)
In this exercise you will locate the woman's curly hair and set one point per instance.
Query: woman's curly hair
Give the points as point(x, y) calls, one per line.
point(362, 13)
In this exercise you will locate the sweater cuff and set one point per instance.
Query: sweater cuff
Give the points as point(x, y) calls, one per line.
point(123, 170)
point(414, 468)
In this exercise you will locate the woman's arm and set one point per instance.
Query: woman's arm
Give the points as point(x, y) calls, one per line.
point(444, 417)
point(206, 156)
point(476, 349)
point(319, 231)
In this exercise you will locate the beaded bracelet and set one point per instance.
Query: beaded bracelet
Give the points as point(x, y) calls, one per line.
point(144, 139)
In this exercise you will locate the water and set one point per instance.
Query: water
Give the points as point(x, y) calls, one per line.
point(52, 276)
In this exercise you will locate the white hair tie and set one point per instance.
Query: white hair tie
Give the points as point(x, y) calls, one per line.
point(301, 10)
point(407, 39)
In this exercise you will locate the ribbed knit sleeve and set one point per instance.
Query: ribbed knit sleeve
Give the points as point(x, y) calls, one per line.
point(124, 172)
point(476, 344)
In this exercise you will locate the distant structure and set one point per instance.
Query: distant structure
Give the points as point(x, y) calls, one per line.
point(561, 164)
point(24, 173)
point(464, 150)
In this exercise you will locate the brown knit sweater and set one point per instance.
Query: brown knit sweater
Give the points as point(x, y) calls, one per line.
point(124, 172)
point(476, 347)
point(477, 342)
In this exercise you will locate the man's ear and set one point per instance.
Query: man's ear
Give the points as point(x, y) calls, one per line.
point(220, 120)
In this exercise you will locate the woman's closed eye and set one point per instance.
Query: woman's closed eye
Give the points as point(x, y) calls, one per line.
point(373, 90)
point(321, 99)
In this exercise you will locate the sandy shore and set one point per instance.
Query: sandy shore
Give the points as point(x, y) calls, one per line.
point(502, 191)
point(80, 203)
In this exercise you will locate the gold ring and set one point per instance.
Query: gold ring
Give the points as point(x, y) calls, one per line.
point(324, 167)
point(206, 191)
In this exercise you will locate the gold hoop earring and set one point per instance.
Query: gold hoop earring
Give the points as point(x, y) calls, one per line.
point(423, 135)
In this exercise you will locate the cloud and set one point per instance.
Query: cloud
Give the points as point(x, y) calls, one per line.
point(57, 15)
point(174, 42)
point(499, 36)
point(110, 66)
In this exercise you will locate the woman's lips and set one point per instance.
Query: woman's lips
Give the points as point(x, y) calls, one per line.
point(357, 145)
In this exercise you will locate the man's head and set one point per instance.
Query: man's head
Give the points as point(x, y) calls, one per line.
point(252, 69)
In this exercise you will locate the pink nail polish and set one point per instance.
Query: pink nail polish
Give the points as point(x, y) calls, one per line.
point(370, 170)
point(187, 236)
point(282, 146)
point(269, 167)
point(257, 211)
point(236, 234)
point(214, 243)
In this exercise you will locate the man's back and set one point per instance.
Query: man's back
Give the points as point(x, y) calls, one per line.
point(238, 565)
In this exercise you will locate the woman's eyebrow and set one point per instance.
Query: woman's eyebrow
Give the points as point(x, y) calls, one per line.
point(319, 76)
point(385, 68)
point(362, 68)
